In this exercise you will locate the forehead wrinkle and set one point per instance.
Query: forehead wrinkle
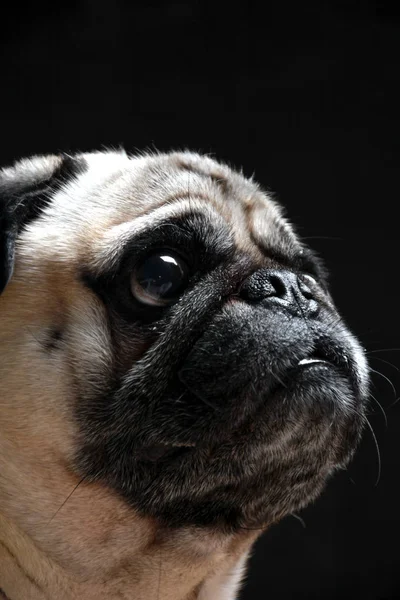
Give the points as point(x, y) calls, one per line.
point(109, 247)
point(168, 177)
point(230, 208)
point(175, 196)
point(228, 201)
point(269, 229)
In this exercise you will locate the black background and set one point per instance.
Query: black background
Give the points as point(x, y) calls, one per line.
point(306, 96)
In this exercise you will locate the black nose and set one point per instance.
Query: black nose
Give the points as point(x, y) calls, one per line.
point(280, 288)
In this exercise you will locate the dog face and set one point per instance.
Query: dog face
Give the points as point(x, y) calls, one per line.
point(166, 334)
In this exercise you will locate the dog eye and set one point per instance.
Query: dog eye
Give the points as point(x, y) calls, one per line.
point(159, 279)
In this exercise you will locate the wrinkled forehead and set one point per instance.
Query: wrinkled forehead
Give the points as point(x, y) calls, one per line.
point(116, 198)
point(131, 196)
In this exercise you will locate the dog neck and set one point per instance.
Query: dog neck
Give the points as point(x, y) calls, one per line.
point(180, 565)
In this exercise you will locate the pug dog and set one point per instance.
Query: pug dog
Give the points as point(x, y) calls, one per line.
point(175, 377)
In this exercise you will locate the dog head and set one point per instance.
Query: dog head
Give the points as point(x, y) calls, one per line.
point(167, 334)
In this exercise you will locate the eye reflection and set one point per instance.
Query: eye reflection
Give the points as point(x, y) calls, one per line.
point(159, 279)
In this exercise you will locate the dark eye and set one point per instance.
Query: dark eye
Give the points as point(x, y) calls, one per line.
point(159, 279)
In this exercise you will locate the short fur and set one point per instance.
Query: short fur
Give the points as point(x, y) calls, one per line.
point(143, 450)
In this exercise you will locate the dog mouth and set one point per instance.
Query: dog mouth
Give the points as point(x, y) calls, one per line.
point(329, 356)
point(320, 358)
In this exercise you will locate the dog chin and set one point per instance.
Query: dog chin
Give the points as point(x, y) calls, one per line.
point(250, 467)
point(315, 388)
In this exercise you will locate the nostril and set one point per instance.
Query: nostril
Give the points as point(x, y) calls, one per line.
point(263, 285)
point(305, 290)
point(279, 286)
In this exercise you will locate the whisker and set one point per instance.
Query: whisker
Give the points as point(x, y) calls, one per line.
point(275, 376)
point(386, 362)
point(387, 379)
point(299, 519)
point(377, 451)
point(33, 335)
point(394, 403)
point(252, 528)
point(66, 500)
point(159, 577)
point(381, 407)
point(384, 350)
point(323, 237)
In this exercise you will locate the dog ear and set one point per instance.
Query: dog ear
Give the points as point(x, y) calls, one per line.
point(25, 190)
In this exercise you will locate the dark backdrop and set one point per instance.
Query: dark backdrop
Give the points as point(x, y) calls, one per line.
point(306, 96)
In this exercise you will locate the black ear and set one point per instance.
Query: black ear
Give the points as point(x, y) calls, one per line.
point(25, 190)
